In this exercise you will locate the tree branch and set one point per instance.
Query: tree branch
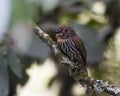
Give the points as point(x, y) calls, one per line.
point(98, 86)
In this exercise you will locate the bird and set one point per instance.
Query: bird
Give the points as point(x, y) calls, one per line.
point(71, 45)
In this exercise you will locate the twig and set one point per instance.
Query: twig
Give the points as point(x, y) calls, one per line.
point(98, 86)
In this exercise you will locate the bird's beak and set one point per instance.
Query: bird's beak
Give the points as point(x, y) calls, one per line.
point(56, 31)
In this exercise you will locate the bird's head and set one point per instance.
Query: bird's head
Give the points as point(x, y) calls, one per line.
point(64, 32)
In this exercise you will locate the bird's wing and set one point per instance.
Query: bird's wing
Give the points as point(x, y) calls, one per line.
point(80, 48)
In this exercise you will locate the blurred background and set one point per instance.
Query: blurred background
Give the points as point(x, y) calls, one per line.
point(27, 65)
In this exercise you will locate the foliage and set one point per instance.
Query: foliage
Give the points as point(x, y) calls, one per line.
point(20, 47)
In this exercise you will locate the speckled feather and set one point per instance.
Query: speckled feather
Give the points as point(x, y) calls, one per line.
point(74, 49)
point(72, 46)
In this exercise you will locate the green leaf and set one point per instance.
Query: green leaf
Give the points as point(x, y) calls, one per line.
point(4, 80)
point(20, 12)
point(93, 46)
point(14, 63)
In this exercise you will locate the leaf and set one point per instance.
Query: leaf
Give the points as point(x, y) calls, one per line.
point(20, 12)
point(39, 49)
point(93, 46)
point(4, 80)
point(14, 63)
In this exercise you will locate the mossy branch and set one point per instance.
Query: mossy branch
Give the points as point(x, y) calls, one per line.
point(97, 86)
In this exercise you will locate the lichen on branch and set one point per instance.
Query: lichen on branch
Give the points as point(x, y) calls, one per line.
point(97, 86)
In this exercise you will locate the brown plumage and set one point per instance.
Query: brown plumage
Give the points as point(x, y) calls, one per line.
point(72, 46)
